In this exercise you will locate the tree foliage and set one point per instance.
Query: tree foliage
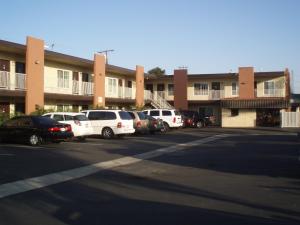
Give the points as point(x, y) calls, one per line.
point(157, 71)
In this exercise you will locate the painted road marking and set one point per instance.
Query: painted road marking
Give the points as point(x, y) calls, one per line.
point(84, 143)
point(7, 154)
point(30, 184)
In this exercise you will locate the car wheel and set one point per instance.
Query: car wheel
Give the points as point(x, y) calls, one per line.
point(167, 127)
point(199, 124)
point(107, 133)
point(34, 140)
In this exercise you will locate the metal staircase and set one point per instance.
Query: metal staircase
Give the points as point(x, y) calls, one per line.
point(156, 100)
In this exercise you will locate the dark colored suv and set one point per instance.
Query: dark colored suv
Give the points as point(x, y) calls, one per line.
point(192, 119)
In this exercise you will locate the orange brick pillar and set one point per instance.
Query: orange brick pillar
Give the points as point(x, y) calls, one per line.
point(287, 84)
point(99, 81)
point(180, 89)
point(34, 98)
point(246, 83)
point(139, 76)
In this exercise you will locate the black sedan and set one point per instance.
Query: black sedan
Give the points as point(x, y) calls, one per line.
point(34, 130)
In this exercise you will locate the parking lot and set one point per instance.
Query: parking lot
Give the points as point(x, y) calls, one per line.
point(187, 176)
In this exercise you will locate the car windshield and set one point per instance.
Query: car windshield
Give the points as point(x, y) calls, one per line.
point(81, 118)
point(41, 120)
point(125, 115)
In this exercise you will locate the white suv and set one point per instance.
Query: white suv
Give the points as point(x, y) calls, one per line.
point(81, 126)
point(171, 117)
point(109, 123)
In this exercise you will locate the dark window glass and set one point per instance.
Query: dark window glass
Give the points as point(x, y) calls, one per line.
point(58, 117)
point(68, 117)
point(125, 115)
point(84, 107)
point(49, 115)
point(20, 67)
point(132, 115)
point(177, 113)
point(25, 122)
point(141, 115)
point(166, 113)
point(81, 118)
point(234, 112)
point(154, 113)
point(110, 116)
point(99, 115)
point(146, 112)
point(41, 120)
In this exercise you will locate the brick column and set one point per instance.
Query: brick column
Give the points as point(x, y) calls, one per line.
point(139, 76)
point(180, 89)
point(99, 81)
point(246, 83)
point(34, 75)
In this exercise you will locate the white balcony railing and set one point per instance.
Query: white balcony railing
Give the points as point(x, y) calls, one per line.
point(120, 92)
point(128, 93)
point(4, 80)
point(75, 87)
point(215, 94)
point(273, 93)
point(20, 81)
point(87, 88)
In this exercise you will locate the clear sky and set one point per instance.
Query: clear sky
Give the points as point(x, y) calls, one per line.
point(206, 36)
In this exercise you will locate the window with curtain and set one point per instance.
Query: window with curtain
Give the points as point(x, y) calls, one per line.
point(63, 79)
point(234, 89)
point(201, 89)
point(269, 87)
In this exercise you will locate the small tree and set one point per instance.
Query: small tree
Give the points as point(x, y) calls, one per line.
point(157, 71)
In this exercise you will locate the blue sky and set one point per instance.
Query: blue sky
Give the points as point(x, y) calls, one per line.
point(206, 36)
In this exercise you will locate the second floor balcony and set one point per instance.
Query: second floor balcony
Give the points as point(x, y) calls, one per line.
point(120, 92)
point(12, 81)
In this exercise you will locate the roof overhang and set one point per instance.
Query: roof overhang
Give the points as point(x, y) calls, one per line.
point(278, 103)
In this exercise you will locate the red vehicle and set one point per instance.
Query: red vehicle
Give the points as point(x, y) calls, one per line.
point(192, 119)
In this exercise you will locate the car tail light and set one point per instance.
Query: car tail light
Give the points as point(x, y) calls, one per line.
point(119, 125)
point(77, 122)
point(54, 129)
point(69, 128)
point(139, 124)
point(174, 120)
point(155, 123)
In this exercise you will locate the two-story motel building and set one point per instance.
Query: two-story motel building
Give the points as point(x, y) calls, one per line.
point(32, 77)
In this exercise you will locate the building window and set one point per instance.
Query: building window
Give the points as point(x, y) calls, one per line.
point(170, 89)
point(63, 108)
point(112, 85)
point(269, 87)
point(234, 112)
point(63, 78)
point(201, 89)
point(234, 88)
point(20, 67)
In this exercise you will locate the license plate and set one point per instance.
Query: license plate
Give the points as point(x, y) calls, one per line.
point(63, 129)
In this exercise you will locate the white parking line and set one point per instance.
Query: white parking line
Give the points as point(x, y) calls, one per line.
point(29, 184)
point(7, 154)
point(84, 143)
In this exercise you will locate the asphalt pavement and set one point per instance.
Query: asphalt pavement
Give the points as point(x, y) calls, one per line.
point(187, 176)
